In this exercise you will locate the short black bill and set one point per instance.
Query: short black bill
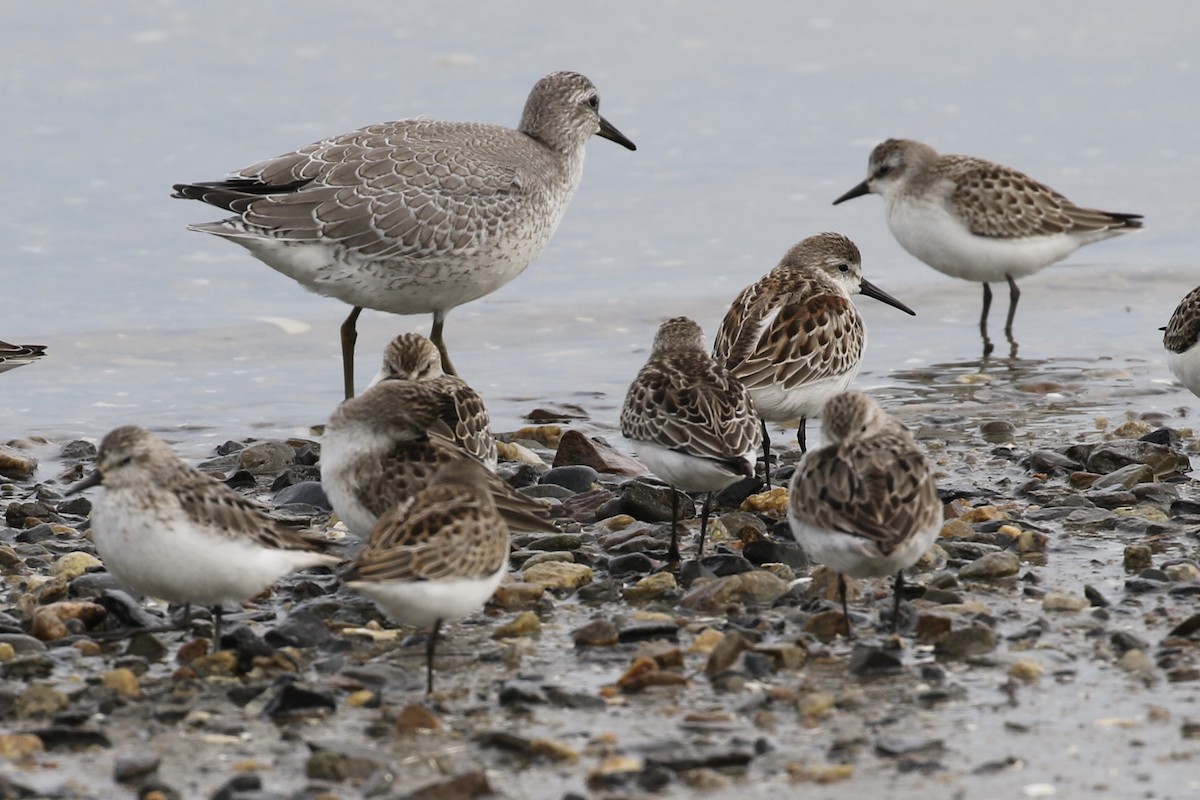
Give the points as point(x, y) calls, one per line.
point(857, 191)
point(91, 480)
point(873, 291)
point(613, 135)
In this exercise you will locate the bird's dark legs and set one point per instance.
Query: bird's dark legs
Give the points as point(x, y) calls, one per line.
point(766, 454)
point(987, 306)
point(1014, 294)
point(349, 337)
point(435, 336)
point(801, 437)
point(704, 522)
point(897, 586)
point(217, 611)
point(429, 647)
point(673, 552)
point(845, 607)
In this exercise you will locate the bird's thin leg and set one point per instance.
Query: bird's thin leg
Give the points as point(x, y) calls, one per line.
point(766, 454)
point(845, 607)
point(217, 611)
point(704, 522)
point(429, 648)
point(897, 585)
point(801, 436)
point(1014, 294)
point(987, 306)
point(673, 552)
point(349, 337)
point(435, 336)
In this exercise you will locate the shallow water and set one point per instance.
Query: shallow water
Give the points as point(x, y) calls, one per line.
point(748, 125)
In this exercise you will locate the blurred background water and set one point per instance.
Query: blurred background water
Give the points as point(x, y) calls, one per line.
point(749, 121)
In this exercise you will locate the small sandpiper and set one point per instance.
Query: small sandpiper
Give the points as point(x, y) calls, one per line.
point(690, 421)
point(437, 556)
point(979, 221)
point(169, 531)
point(794, 338)
point(865, 504)
point(1180, 340)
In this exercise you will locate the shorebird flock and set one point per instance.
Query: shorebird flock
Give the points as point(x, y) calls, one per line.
point(421, 216)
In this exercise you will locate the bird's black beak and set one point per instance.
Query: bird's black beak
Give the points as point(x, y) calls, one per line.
point(871, 290)
point(87, 483)
point(857, 191)
point(613, 135)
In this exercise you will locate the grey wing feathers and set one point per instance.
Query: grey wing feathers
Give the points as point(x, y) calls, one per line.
point(211, 503)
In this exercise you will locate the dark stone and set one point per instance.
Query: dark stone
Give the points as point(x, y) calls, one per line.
point(1164, 436)
point(649, 503)
point(125, 611)
point(308, 453)
point(564, 698)
point(242, 782)
point(158, 790)
point(294, 474)
point(756, 665)
point(230, 446)
point(301, 628)
point(1094, 596)
point(654, 778)
point(522, 692)
point(36, 533)
point(308, 492)
point(630, 563)
point(775, 552)
point(292, 698)
point(1052, 462)
point(77, 506)
point(722, 564)
point(597, 633)
point(247, 643)
point(585, 506)
point(575, 477)
point(641, 631)
point(733, 495)
point(78, 450)
point(597, 592)
point(872, 659)
point(132, 767)
point(896, 746)
point(22, 644)
point(241, 479)
point(462, 787)
point(61, 737)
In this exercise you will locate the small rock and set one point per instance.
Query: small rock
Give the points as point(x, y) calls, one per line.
point(869, 659)
point(123, 682)
point(1063, 601)
point(306, 493)
point(749, 588)
point(630, 563)
point(725, 653)
point(40, 700)
point(814, 705)
point(576, 477)
point(650, 503)
point(522, 692)
point(463, 787)
point(976, 639)
point(133, 767)
point(993, 565)
point(766, 551)
point(1026, 670)
point(16, 465)
point(415, 718)
point(72, 565)
point(597, 633)
point(651, 587)
point(266, 458)
point(1137, 557)
point(1136, 662)
point(1160, 458)
point(1124, 478)
point(645, 673)
point(558, 575)
point(293, 699)
point(576, 448)
point(20, 746)
point(772, 503)
point(525, 624)
point(706, 641)
point(518, 595)
point(1182, 572)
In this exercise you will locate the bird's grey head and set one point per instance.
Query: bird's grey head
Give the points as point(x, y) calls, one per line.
point(831, 255)
point(563, 112)
point(891, 165)
point(131, 456)
point(850, 416)
point(410, 356)
point(679, 334)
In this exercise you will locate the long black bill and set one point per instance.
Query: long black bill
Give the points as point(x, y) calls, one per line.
point(857, 191)
point(613, 135)
point(91, 480)
point(871, 290)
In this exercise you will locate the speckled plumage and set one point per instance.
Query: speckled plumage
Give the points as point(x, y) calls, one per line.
point(384, 445)
point(412, 357)
point(794, 338)
point(1180, 340)
point(16, 355)
point(416, 216)
point(437, 556)
point(167, 530)
point(865, 504)
point(690, 421)
point(978, 220)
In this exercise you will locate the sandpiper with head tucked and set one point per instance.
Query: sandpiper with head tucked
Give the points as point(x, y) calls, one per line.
point(168, 530)
point(412, 357)
point(1181, 340)
point(384, 445)
point(977, 220)
point(17, 355)
point(690, 421)
point(865, 504)
point(437, 556)
point(417, 216)
point(794, 338)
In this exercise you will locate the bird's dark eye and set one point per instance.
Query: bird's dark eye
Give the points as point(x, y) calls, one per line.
point(883, 170)
point(594, 101)
point(843, 267)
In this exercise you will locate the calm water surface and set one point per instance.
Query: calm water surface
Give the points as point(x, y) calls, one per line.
point(748, 125)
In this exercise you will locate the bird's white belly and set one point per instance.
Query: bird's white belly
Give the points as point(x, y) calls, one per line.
point(856, 556)
point(776, 404)
point(341, 454)
point(931, 234)
point(1186, 367)
point(422, 603)
point(161, 554)
point(686, 472)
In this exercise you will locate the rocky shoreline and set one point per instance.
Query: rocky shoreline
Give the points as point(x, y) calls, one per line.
point(1050, 643)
